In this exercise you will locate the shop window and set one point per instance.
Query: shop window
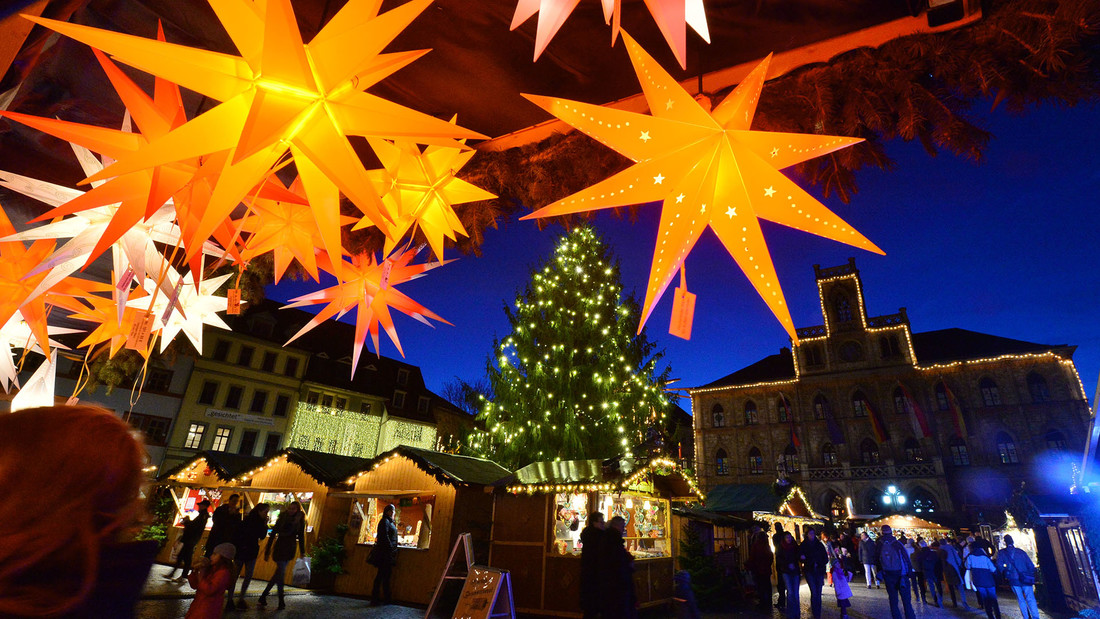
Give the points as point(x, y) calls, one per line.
point(268, 364)
point(233, 397)
point(756, 462)
point(281, 500)
point(271, 445)
point(868, 452)
point(860, 406)
point(1006, 449)
point(398, 399)
point(718, 416)
point(259, 402)
point(154, 428)
point(942, 403)
point(991, 395)
point(789, 459)
point(158, 380)
point(1037, 387)
point(413, 516)
point(221, 350)
point(828, 455)
point(402, 376)
point(570, 516)
point(902, 406)
point(221, 439)
point(282, 405)
point(821, 407)
point(1055, 440)
point(248, 443)
point(194, 436)
point(888, 345)
point(913, 451)
point(244, 356)
point(851, 352)
point(960, 456)
point(422, 405)
point(721, 462)
point(208, 392)
point(646, 519)
point(291, 367)
point(750, 413)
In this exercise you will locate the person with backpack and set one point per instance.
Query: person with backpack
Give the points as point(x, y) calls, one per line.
point(979, 577)
point(1019, 571)
point(896, 570)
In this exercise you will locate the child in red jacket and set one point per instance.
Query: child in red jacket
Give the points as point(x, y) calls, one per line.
point(211, 579)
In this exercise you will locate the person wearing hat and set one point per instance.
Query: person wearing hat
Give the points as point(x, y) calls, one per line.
point(192, 533)
point(210, 580)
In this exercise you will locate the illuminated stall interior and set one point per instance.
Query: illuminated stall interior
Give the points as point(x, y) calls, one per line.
point(436, 497)
point(539, 519)
point(912, 526)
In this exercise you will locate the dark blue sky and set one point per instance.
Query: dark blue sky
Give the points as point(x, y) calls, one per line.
point(1006, 247)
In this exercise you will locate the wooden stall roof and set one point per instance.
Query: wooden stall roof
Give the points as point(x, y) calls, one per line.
point(902, 521)
point(759, 498)
point(225, 466)
point(330, 470)
point(617, 474)
point(450, 469)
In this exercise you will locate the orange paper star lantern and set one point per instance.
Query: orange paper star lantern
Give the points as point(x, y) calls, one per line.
point(709, 169)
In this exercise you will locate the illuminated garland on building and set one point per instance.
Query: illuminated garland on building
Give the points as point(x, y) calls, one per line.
point(623, 485)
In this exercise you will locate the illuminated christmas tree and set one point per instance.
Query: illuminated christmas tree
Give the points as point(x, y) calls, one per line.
point(573, 380)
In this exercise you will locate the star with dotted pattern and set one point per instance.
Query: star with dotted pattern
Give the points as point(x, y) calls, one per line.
point(706, 157)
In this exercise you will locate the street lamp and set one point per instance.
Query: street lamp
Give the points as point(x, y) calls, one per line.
point(893, 497)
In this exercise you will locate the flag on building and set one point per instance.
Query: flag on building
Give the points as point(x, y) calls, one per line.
point(921, 427)
point(878, 428)
point(956, 412)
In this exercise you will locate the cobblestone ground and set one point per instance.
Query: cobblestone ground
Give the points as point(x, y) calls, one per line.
point(164, 599)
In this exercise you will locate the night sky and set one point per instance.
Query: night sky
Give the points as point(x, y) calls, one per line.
point(1006, 247)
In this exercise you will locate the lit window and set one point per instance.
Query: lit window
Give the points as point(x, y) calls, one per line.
point(790, 459)
point(1006, 449)
point(756, 462)
point(221, 439)
point(991, 395)
point(860, 406)
point(783, 407)
point(194, 436)
point(959, 454)
point(721, 462)
point(828, 455)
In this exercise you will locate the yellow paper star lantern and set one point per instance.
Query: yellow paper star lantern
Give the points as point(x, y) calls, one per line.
point(708, 168)
point(369, 287)
point(282, 95)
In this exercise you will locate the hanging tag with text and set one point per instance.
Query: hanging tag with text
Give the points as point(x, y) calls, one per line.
point(683, 310)
point(139, 332)
point(233, 296)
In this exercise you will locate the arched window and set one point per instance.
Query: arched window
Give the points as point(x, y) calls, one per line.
point(718, 416)
point(790, 459)
point(821, 407)
point(868, 452)
point(913, 451)
point(756, 462)
point(1006, 449)
point(991, 395)
point(1037, 387)
point(828, 455)
point(722, 462)
point(783, 409)
point(942, 402)
point(960, 456)
point(859, 404)
point(901, 403)
point(922, 501)
point(851, 351)
point(750, 413)
point(1055, 440)
point(833, 504)
point(888, 344)
point(842, 308)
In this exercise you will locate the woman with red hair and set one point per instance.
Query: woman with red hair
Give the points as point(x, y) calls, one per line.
point(71, 479)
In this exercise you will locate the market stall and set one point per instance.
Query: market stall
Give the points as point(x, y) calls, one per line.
point(436, 496)
point(911, 526)
point(767, 504)
point(538, 521)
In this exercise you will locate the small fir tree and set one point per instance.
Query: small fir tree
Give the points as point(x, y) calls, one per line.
point(574, 380)
point(712, 589)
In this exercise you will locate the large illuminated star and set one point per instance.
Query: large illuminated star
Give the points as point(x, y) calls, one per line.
point(672, 17)
point(16, 334)
point(369, 287)
point(420, 189)
point(282, 95)
point(709, 169)
point(200, 306)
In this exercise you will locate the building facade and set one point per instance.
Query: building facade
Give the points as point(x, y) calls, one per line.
point(955, 420)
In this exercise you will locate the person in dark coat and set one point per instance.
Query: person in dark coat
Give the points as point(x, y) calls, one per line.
point(192, 533)
point(787, 560)
point(933, 572)
point(815, 561)
point(247, 542)
point(868, 555)
point(384, 556)
point(287, 536)
point(617, 596)
point(226, 519)
point(760, 565)
point(780, 584)
point(591, 538)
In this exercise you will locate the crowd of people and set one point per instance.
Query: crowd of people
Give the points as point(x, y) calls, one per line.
point(607, 570)
point(912, 570)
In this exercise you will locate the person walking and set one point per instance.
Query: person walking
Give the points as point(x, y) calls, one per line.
point(211, 578)
point(287, 536)
point(226, 520)
point(760, 565)
point(896, 570)
point(1019, 571)
point(916, 559)
point(815, 562)
point(247, 542)
point(591, 539)
point(842, 579)
point(618, 599)
point(868, 551)
point(189, 538)
point(932, 561)
point(780, 584)
point(980, 572)
point(384, 556)
point(953, 573)
point(787, 559)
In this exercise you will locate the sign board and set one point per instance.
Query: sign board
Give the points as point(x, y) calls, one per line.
point(239, 417)
point(482, 597)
